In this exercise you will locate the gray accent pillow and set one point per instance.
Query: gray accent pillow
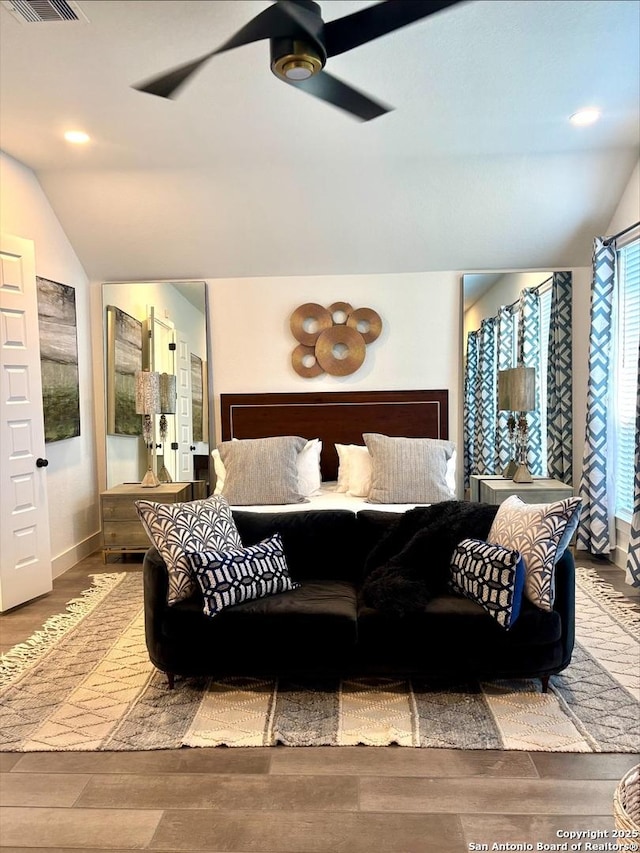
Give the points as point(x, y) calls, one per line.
point(175, 529)
point(262, 470)
point(541, 533)
point(408, 470)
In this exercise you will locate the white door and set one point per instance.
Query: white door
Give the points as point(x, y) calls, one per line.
point(163, 361)
point(25, 555)
point(184, 429)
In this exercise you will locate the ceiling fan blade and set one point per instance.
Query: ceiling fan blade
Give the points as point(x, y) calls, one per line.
point(334, 91)
point(353, 30)
point(282, 20)
point(167, 84)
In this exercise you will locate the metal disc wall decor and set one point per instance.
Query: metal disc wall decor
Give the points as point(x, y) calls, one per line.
point(367, 322)
point(305, 363)
point(332, 340)
point(339, 312)
point(340, 350)
point(308, 321)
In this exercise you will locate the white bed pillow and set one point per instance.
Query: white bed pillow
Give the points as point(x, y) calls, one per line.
point(307, 463)
point(450, 475)
point(343, 467)
point(354, 470)
point(220, 471)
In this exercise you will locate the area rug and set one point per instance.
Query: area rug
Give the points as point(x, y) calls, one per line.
point(84, 682)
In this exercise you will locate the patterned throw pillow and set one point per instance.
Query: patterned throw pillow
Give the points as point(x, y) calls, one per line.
point(541, 532)
point(194, 526)
point(490, 575)
point(262, 470)
point(231, 577)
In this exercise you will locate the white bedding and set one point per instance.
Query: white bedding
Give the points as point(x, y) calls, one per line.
point(329, 498)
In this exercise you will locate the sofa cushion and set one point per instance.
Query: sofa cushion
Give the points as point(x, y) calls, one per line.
point(540, 532)
point(318, 544)
point(490, 575)
point(231, 577)
point(313, 626)
point(178, 528)
point(453, 634)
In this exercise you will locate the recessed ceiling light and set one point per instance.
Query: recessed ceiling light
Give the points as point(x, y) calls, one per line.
point(588, 115)
point(78, 137)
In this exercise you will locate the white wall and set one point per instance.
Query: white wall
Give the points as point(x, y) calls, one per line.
point(419, 347)
point(71, 475)
point(628, 210)
point(505, 291)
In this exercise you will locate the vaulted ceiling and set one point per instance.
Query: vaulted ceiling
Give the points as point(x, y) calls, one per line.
point(477, 167)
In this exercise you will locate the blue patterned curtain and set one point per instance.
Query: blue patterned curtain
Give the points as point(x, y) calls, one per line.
point(595, 532)
point(633, 554)
point(559, 382)
point(469, 413)
point(485, 400)
point(529, 356)
point(505, 324)
point(480, 393)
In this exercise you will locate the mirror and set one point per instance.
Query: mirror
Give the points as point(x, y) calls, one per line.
point(482, 295)
point(159, 327)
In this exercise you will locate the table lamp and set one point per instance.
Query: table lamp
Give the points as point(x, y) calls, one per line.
point(148, 405)
point(517, 395)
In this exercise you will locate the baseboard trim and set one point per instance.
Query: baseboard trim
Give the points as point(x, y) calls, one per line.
point(620, 557)
point(67, 560)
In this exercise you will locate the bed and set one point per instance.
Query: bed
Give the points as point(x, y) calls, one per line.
point(336, 418)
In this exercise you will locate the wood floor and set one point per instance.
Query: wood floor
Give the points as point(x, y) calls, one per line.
point(296, 800)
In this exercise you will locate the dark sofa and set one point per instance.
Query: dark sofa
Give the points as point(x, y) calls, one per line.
point(336, 624)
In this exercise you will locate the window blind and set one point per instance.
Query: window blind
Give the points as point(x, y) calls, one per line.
point(626, 385)
point(545, 322)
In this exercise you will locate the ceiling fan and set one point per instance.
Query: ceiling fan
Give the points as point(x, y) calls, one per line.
point(301, 43)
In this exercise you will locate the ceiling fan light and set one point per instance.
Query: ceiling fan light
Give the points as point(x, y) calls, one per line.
point(585, 117)
point(77, 137)
point(298, 69)
point(294, 60)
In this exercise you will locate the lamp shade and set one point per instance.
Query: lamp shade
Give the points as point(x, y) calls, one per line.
point(504, 391)
point(147, 392)
point(167, 394)
point(522, 392)
point(517, 389)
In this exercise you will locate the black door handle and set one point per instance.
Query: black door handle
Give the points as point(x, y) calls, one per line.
point(42, 463)
point(192, 447)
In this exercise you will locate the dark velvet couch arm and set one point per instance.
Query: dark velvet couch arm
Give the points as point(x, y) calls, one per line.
point(156, 585)
point(565, 603)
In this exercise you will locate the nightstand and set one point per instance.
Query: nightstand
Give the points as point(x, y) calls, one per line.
point(495, 489)
point(122, 530)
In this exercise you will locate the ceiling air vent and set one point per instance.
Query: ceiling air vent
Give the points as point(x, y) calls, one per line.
point(43, 11)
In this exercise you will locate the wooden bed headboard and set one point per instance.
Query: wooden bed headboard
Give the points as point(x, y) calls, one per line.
point(335, 417)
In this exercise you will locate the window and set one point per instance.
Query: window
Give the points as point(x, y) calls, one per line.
point(627, 337)
point(545, 322)
point(544, 291)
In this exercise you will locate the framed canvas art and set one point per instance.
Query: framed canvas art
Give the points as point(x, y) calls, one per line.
point(197, 397)
point(124, 358)
point(58, 359)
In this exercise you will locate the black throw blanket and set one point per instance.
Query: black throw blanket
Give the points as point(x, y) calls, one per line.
point(410, 565)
